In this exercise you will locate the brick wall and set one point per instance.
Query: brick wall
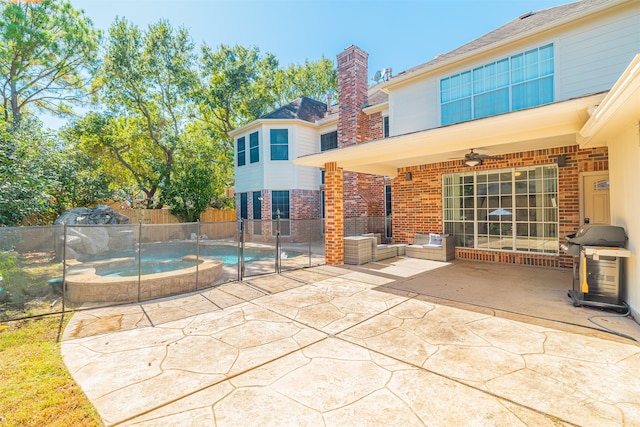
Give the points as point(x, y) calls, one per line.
point(352, 95)
point(417, 204)
point(374, 128)
point(305, 204)
point(363, 193)
point(334, 223)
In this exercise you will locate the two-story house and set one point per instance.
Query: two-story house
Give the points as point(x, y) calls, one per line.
point(268, 183)
point(513, 140)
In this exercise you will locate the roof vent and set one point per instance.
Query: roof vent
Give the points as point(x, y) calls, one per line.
point(526, 15)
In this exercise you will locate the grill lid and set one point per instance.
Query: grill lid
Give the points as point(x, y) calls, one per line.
point(598, 235)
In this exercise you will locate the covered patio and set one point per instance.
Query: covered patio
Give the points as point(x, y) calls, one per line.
point(593, 134)
point(416, 163)
point(523, 293)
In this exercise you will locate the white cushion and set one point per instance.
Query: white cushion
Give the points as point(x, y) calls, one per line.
point(435, 239)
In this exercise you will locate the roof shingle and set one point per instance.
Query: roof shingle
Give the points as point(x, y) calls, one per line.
point(303, 108)
point(524, 24)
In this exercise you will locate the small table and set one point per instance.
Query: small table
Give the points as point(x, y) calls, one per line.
point(357, 250)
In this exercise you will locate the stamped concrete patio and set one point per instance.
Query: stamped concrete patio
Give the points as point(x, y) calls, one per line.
point(386, 344)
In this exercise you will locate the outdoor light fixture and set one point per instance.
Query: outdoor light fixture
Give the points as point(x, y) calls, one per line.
point(408, 176)
point(473, 162)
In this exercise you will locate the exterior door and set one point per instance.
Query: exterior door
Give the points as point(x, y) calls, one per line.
point(595, 198)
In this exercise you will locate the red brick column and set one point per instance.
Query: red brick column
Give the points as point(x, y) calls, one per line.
point(334, 214)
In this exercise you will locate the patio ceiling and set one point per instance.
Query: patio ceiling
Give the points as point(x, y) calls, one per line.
point(536, 128)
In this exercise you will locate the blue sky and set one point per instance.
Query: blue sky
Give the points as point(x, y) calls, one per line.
point(397, 34)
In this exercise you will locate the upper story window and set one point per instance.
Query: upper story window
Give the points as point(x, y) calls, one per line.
point(279, 144)
point(385, 127)
point(510, 84)
point(241, 152)
point(254, 149)
point(329, 141)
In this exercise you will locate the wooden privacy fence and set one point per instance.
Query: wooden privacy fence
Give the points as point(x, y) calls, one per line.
point(163, 216)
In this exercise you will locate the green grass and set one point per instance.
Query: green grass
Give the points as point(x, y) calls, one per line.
point(35, 387)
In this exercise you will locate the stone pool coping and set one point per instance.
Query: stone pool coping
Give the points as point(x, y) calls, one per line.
point(84, 285)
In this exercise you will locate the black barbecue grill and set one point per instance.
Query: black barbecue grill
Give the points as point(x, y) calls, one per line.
point(597, 250)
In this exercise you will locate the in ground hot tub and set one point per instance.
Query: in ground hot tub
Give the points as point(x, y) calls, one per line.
point(117, 279)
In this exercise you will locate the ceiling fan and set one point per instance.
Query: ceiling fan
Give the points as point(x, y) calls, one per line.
point(472, 158)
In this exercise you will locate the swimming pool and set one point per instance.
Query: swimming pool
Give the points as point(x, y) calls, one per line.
point(145, 267)
point(175, 251)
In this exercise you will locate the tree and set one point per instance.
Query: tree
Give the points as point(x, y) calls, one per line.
point(79, 181)
point(145, 81)
point(25, 172)
point(313, 79)
point(28, 174)
point(48, 53)
point(237, 87)
point(240, 85)
point(40, 179)
point(128, 158)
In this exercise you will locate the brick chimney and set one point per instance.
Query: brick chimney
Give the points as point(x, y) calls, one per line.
point(353, 89)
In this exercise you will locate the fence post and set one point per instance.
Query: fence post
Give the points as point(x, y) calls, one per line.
point(197, 251)
point(309, 229)
point(241, 251)
point(244, 241)
point(139, 256)
point(64, 266)
point(277, 241)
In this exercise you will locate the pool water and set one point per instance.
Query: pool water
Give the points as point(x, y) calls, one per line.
point(164, 252)
point(146, 267)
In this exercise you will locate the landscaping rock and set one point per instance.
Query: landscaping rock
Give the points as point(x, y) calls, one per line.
point(99, 215)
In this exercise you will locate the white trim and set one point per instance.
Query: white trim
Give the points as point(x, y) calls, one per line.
point(270, 122)
point(547, 126)
point(621, 104)
point(376, 108)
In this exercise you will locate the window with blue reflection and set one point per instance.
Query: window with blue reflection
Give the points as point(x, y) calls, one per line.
point(510, 84)
point(279, 144)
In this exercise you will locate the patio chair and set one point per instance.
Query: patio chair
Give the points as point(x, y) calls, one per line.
point(378, 251)
point(436, 247)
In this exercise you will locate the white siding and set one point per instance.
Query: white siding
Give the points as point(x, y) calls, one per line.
point(414, 107)
point(624, 175)
point(284, 175)
point(588, 59)
point(279, 174)
point(249, 177)
point(307, 141)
